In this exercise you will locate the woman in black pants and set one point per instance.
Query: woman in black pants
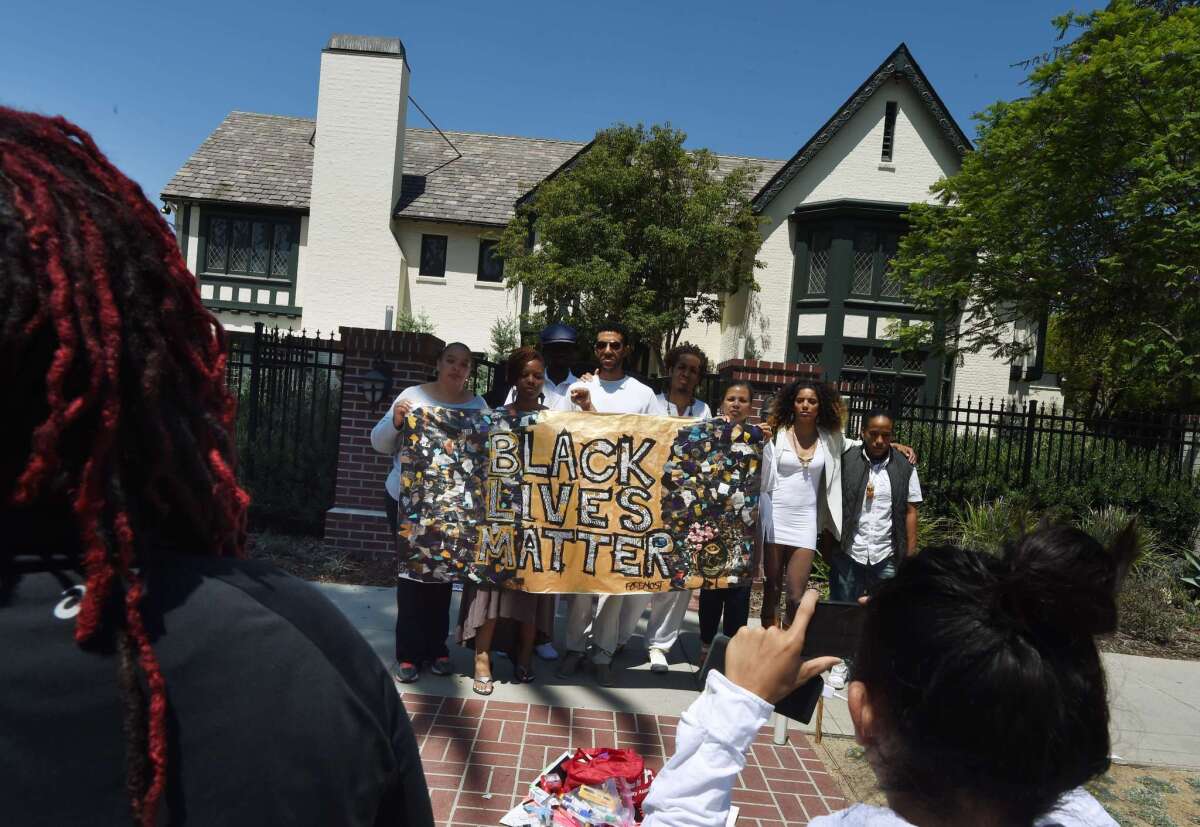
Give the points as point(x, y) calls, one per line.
point(423, 608)
point(728, 608)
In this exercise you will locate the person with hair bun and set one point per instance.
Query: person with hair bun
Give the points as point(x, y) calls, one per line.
point(150, 676)
point(422, 608)
point(977, 691)
point(507, 620)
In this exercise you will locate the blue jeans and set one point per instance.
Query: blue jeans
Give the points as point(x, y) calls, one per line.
point(849, 580)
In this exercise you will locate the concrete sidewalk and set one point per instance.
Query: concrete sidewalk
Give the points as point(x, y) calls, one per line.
point(1155, 703)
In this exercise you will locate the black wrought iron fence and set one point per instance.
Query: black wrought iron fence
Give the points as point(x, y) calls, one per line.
point(289, 391)
point(1014, 444)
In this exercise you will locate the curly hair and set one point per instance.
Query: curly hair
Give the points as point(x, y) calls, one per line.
point(124, 427)
point(685, 349)
point(831, 411)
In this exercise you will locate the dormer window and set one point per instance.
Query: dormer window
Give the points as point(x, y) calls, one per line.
point(889, 132)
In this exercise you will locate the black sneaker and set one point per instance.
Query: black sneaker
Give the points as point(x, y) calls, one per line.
point(405, 672)
point(442, 666)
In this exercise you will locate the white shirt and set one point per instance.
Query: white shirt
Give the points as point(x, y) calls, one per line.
point(624, 395)
point(693, 789)
point(697, 410)
point(385, 438)
point(551, 392)
point(873, 536)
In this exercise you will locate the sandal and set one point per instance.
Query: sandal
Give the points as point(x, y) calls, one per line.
point(523, 674)
point(483, 686)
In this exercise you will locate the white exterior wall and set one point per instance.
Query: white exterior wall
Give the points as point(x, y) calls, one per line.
point(980, 375)
point(193, 240)
point(461, 308)
point(849, 167)
point(353, 268)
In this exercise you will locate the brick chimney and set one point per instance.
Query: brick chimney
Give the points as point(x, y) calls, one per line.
point(353, 262)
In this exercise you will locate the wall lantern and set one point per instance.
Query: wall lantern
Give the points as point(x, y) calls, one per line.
point(376, 384)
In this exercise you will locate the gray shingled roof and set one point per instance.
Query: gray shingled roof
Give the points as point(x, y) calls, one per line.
point(250, 159)
point(267, 160)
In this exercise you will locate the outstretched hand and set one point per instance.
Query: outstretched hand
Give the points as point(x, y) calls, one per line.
point(769, 663)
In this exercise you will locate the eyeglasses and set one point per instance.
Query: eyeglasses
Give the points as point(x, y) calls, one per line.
point(609, 345)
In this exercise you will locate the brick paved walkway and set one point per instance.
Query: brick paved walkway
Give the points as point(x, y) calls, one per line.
point(480, 757)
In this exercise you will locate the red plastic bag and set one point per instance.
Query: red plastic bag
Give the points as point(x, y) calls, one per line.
point(595, 766)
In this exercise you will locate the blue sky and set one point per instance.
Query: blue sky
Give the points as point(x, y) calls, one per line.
point(151, 80)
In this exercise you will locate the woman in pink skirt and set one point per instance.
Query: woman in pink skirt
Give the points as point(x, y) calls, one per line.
point(506, 620)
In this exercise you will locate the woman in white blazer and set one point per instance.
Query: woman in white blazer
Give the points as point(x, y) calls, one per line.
point(801, 486)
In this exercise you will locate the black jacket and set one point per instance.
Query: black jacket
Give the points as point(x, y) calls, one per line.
point(279, 712)
point(855, 468)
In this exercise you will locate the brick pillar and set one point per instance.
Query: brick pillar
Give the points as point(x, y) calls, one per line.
point(766, 378)
point(357, 523)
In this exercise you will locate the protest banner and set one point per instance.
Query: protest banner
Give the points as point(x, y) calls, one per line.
point(578, 502)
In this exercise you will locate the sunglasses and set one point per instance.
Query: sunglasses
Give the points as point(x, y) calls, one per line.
point(609, 345)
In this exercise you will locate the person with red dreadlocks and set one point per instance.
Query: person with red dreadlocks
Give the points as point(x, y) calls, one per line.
point(149, 676)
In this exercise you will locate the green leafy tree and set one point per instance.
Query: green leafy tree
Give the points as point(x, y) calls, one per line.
point(637, 228)
point(1081, 201)
point(504, 337)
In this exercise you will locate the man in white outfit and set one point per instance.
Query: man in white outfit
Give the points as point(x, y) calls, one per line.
point(686, 365)
point(609, 391)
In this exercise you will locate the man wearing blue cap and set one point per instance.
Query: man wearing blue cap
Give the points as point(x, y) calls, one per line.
point(558, 349)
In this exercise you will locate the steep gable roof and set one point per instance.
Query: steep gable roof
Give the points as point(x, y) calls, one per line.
point(900, 63)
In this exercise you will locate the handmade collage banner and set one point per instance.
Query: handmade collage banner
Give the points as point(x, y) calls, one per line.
point(578, 502)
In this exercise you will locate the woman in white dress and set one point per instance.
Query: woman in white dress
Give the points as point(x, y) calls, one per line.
point(807, 449)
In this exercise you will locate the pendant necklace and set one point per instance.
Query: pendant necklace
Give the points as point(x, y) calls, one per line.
point(804, 461)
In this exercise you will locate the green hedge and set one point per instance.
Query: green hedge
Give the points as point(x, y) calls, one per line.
point(1065, 477)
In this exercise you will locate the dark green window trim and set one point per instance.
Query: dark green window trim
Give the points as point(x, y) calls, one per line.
point(249, 250)
point(491, 266)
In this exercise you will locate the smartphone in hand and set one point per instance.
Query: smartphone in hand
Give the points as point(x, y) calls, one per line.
point(834, 630)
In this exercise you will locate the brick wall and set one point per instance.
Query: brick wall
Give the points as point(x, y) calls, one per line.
point(766, 378)
point(357, 523)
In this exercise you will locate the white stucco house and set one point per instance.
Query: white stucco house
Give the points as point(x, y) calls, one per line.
point(355, 217)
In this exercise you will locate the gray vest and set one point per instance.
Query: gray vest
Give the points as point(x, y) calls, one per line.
point(855, 468)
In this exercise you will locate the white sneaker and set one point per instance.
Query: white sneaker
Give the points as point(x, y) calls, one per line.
point(658, 660)
point(837, 676)
point(547, 651)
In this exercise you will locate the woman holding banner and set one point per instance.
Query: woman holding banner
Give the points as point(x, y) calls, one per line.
point(728, 608)
point(506, 620)
point(422, 608)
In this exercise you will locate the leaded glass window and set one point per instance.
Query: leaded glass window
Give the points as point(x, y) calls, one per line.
point(855, 357)
point(818, 263)
point(809, 354)
point(218, 245)
point(864, 263)
point(890, 285)
point(258, 248)
point(239, 247)
point(246, 246)
point(281, 250)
